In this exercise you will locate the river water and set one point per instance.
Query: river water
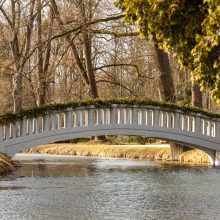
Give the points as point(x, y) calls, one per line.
point(94, 188)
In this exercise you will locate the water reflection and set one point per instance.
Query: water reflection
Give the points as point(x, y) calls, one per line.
point(81, 167)
point(109, 189)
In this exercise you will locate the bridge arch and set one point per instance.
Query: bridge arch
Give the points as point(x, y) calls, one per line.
point(187, 128)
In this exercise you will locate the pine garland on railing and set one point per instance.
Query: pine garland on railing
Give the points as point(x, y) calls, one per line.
point(38, 111)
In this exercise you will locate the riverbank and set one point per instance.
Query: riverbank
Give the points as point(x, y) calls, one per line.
point(142, 152)
point(6, 165)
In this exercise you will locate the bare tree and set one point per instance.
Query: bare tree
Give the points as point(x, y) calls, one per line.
point(20, 43)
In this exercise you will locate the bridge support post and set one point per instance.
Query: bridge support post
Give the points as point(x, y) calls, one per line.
point(177, 150)
point(214, 157)
point(217, 158)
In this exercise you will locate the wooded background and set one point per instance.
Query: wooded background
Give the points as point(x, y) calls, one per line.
point(61, 51)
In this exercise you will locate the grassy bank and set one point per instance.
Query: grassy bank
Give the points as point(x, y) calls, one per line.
point(6, 166)
point(149, 152)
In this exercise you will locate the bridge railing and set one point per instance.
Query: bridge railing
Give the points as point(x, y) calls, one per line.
point(116, 115)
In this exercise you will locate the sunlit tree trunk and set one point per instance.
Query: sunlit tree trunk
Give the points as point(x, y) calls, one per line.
point(166, 85)
point(196, 94)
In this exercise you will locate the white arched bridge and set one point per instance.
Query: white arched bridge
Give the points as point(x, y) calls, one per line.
point(194, 129)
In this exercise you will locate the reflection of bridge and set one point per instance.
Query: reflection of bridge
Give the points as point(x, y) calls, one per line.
point(191, 129)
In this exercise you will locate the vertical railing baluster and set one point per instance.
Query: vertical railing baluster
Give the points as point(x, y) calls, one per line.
point(155, 115)
point(107, 115)
point(78, 118)
point(118, 116)
point(100, 117)
point(198, 128)
point(38, 121)
point(169, 120)
point(46, 122)
point(59, 126)
point(18, 128)
point(208, 128)
point(91, 116)
point(217, 128)
point(32, 124)
point(69, 118)
point(143, 110)
point(183, 122)
point(124, 116)
point(213, 128)
point(14, 130)
point(86, 115)
point(24, 127)
point(1, 133)
point(162, 118)
point(113, 114)
point(149, 117)
point(177, 120)
point(188, 123)
point(5, 132)
point(10, 131)
point(121, 117)
point(135, 115)
point(55, 121)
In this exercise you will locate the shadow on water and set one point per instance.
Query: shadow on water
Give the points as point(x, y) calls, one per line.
point(93, 166)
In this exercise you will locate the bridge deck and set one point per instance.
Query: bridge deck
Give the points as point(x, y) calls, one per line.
point(192, 129)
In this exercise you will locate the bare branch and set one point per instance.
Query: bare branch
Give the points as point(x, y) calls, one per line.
point(6, 16)
point(84, 26)
point(117, 65)
point(116, 83)
point(115, 34)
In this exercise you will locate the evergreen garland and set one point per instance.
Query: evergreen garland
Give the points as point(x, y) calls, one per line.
point(39, 111)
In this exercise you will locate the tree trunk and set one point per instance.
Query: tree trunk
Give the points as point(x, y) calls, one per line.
point(17, 79)
point(41, 77)
point(19, 53)
point(76, 57)
point(17, 92)
point(166, 85)
point(196, 94)
point(88, 55)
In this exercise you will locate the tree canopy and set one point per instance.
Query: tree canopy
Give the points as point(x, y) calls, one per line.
point(189, 29)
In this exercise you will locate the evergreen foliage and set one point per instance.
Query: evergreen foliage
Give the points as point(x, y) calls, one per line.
point(39, 111)
point(189, 29)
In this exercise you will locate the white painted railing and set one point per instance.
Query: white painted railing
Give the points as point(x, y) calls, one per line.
point(114, 118)
point(116, 115)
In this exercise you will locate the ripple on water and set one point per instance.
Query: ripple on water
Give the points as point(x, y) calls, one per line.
point(110, 189)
